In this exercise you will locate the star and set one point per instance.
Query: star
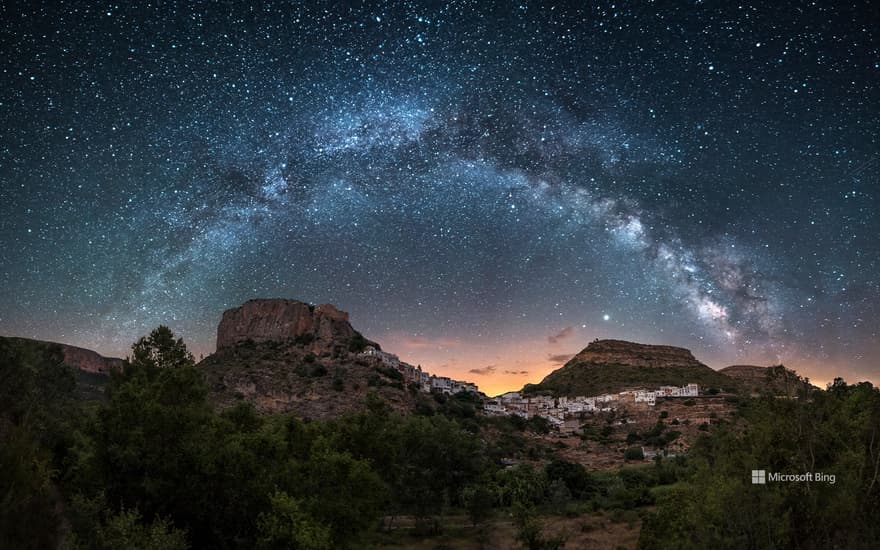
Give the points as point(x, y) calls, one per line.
point(505, 176)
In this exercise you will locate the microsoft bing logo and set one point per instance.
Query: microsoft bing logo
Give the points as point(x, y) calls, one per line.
point(759, 477)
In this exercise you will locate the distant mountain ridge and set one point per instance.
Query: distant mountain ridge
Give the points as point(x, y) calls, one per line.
point(79, 358)
point(607, 366)
point(90, 368)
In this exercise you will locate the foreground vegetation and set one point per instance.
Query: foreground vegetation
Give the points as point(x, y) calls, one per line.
point(155, 466)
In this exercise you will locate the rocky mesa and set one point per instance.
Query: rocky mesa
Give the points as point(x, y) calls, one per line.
point(620, 352)
point(616, 365)
point(289, 356)
point(319, 328)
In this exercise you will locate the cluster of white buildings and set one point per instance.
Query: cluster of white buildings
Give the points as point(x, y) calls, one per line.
point(426, 381)
point(558, 409)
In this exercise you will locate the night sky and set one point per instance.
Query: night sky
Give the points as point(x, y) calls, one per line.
point(485, 188)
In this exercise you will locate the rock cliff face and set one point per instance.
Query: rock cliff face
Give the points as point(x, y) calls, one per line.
point(88, 361)
point(81, 359)
point(289, 356)
point(750, 373)
point(619, 352)
point(319, 328)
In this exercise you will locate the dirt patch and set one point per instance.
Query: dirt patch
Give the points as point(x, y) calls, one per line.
point(595, 530)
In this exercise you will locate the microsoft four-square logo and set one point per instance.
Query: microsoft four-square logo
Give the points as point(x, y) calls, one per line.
point(759, 477)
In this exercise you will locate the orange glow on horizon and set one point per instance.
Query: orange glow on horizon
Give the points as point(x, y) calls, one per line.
point(504, 367)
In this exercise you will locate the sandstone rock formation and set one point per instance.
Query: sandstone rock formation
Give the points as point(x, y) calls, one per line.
point(619, 352)
point(84, 360)
point(289, 356)
point(88, 361)
point(319, 328)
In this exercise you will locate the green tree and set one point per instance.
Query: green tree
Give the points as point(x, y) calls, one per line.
point(834, 432)
point(478, 500)
point(287, 525)
point(529, 531)
point(160, 350)
point(339, 491)
point(127, 530)
point(634, 453)
point(153, 438)
point(27, 508)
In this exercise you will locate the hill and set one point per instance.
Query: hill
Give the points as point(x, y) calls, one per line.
point(90, 368)
point(606, 366)
point(775, 379)
point(289, 356)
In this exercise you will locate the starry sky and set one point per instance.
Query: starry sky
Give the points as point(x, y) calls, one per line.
point(485, 187)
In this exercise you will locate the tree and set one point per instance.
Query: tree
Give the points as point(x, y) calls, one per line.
point(529, 531)
point(160, 350)
point(478, 500)
point(28, 517)
point(126, 530)
point(152, 438)
point(834, 432)
point(288, 525)
point(634, 453)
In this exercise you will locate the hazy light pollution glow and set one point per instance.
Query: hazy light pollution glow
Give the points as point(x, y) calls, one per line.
point(485, 188)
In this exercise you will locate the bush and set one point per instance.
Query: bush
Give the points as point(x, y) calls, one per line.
point(634, 453)
point(357, 343)
point(538, 424)
point(304, 339)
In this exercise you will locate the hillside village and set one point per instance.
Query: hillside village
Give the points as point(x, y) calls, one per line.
point(426, 381)
point(562, 412)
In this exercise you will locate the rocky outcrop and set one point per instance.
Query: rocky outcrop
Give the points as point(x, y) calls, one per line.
point(84, 360)
point(619, 352)
point(318, 328)
point(287, 356)
point(750, 373)
point(88, 361)
point(776, 379)
point(616, 365)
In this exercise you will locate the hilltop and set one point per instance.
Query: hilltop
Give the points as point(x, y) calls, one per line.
point(616, 365)
point(289, 356)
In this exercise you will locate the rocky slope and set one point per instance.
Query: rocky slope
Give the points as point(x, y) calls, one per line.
point(289, 356)
point(81, 359)
point(616, 365)
point(755, 379)
point(91, 368)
